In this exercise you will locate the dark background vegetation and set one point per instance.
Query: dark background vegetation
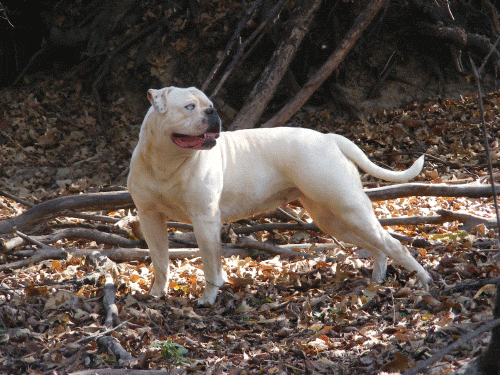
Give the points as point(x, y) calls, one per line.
point(412, 50)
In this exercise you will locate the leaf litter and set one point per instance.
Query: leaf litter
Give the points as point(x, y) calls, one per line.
point(273, 316)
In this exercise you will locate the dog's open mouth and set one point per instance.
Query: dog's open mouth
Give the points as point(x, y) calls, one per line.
point(200, 142)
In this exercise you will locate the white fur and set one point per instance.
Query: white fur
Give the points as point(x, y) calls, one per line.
point(247, 172)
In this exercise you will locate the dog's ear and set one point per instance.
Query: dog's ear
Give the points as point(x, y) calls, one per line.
point(158, 99)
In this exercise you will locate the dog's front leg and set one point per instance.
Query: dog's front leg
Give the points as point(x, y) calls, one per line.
point(207, 232)
point(155, 231)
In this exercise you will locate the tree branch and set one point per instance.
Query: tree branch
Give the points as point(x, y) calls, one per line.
point(265, 88)
point(38, 215)
point(326, 70)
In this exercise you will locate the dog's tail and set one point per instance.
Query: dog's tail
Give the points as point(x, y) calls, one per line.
point(358, 157)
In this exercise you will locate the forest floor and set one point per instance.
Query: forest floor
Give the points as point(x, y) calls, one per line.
point(275, 316)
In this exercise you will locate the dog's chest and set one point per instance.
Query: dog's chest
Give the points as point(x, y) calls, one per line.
point(173, 210)
point(156, 196)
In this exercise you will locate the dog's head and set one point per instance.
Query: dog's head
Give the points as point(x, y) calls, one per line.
point(190, 118)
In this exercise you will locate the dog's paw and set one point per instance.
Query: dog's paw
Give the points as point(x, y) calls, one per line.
point(424, 279)
point(209, 295)
point(158, 290)
point(205, 300)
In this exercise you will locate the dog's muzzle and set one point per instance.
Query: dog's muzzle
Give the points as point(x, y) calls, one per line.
point(203, 141)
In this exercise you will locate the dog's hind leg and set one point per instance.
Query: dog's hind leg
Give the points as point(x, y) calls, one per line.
point(155, 231)
point(356, 223)
point(328, 223)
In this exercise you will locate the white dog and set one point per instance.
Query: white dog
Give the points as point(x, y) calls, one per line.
point(184, 169)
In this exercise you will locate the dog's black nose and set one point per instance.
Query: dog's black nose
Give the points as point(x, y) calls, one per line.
point(210, 111)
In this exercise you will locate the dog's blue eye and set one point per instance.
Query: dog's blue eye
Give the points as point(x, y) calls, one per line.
point(190, 107)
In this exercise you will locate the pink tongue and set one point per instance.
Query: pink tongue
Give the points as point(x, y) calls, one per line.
point(188, 142)
point(193, 142)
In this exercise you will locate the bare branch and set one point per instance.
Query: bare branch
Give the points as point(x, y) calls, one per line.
point(265, 88)
point(326, 70)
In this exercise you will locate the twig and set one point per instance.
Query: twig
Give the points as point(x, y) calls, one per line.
point(103, 333)
point(436, 357)
point(486, 144)
point(32, 240)
point(16, 199)
point(493, 49)
point(275, 11)
point(31, 62)
point(469, 286)
point(103, 70)
point(291, 217)
point(230, 45)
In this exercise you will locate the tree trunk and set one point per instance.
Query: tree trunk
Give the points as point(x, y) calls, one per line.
point(265, 88)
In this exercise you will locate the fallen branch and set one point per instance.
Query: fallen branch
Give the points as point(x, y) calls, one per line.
point(327, 69)
point(105, 219)
point(39, 256)
point(107, 268)
point(275, 226)
point(112, 371)
point(116, 255)
point(74, 233)
point(99, 334)
point(430, 190)
point(108, 301)
point(125, 359)
point(141, 255)
point(279, 250)
point(63, 206)
point(469, 221)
